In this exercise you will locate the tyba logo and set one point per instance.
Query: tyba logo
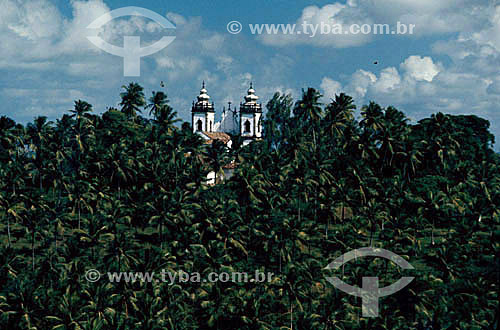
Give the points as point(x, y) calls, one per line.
point(131, 51)
point(369, 292)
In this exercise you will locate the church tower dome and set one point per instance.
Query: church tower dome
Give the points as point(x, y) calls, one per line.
point(251, 98)
point(250, 117)
point(203, 112)
point(203, 104)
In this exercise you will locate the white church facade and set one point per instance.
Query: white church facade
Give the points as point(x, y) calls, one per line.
point(247, 122)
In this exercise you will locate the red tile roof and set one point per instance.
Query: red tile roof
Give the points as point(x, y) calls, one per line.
point(230, 166)
point(217, 136)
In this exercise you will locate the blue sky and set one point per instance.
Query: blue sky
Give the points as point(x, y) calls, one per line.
point(449, 64)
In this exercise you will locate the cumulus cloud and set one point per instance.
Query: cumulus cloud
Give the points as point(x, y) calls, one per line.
point(469, 84)
point(429, 17)
point(420, 68)
point(330, 87)
point(75, 31)
point(53, 41)
point(359, 83)
point(472, 77)
point(48, 105)
point(494, 87)
point(490, 35)
point(318, 26)
point(34, 20)
point(389, 79)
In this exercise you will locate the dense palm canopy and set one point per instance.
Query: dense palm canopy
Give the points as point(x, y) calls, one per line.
point(119, 192)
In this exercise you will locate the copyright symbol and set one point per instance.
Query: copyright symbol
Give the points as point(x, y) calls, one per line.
point(234, 27)
point(92, 275)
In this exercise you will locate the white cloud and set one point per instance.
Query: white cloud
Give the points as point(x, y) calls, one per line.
point(420, 68)
point(193, 51)
point(388, 80)
point(38, 28)
point(401, 7)
point(43, 101)
point(177, 19)
point(213, 43)
point(75, 31)
point(313, 24)
point(359, 83)
point(330, 88)
point(32, 20)
point(491, 35)
point(494, 87)
point(428, 16)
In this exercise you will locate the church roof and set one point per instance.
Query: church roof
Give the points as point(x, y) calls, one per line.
point(217, 136)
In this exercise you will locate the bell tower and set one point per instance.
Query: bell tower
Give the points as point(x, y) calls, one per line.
point(203, 113)
point(250, 117)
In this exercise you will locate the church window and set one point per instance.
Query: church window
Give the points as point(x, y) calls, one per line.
point(247, 127)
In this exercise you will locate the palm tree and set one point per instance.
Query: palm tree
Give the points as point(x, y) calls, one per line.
point(158, 100)
point(39, 134)
point(217, 156)
point(81, 109)
point(372, 121)
point(7, 138)
point(5, 206)
point(390, 138)
point(132, 100)
point(277, 117)
point(308, 112)
point(309, 108)
point(338, 115)
point(119, 167)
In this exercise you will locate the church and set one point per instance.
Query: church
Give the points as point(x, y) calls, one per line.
point(247, 122)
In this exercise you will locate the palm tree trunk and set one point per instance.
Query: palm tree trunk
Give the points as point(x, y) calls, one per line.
point(281, 247)
point(79, 215)
point(161, 233)
point(8, 230)
point(432, 232)
point(33, 249)
point(55, 234)
point(327, 226)
point(371, 231)
point(55, 222)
